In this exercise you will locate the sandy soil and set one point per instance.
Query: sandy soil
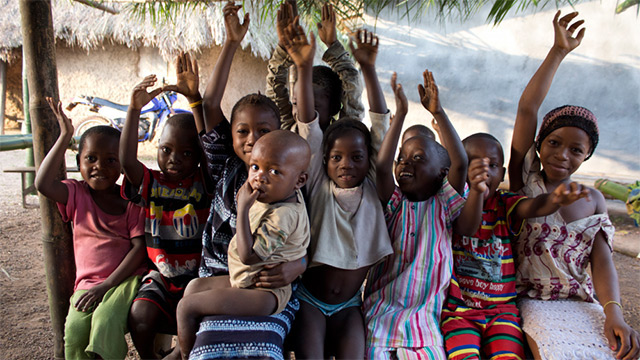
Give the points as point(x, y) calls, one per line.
point(25, 328)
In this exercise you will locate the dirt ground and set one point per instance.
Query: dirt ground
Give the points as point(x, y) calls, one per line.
point(25, 328)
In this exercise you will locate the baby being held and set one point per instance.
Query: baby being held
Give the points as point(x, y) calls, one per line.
point(272, 227)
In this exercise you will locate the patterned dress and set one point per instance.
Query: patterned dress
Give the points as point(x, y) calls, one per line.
point(552, 265)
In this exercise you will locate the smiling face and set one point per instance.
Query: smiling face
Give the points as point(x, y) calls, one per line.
point(277, 167)
point(348, 159)
point(178, 152)
point(98, 162)
point(249, 124)
point(420, 168)
point(483, 147)
point(563, 151)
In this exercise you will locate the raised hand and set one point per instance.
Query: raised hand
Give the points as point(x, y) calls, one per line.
point(187, 76)
point(402, 104)
point(478, 173)
point(565, 195)
point(327, 25)
point(429, 93)
point(66, 126)
point(298, 46)
point(140, 97)
point(367, 50)
point(564, 39)
point(284, 18)
point(235, 30)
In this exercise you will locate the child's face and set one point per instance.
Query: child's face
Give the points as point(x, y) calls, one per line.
point(321, 103)
point(178, 153)
point(563, 151)
point(479, 148)
point(275, 173)
point(348, 160)
point(249, 124)
point(419, 170)
point(99, 163)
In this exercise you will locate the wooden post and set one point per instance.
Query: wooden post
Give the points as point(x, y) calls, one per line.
point(40, 59)
point(3, 92)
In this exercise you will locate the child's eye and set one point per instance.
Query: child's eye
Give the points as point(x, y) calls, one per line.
point(400, 159)
point(552, 142)
point(188, 153)
point(91, 158)
point(358, 158)
point(493, 165)
point(335, 157)
point(253, 167)
point(274, 172)
point(165, 150)
point(242, 131)
point(264, 131)
point(418, 157)
point(577, 150)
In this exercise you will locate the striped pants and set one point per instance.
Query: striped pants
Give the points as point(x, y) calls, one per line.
point(487, 334)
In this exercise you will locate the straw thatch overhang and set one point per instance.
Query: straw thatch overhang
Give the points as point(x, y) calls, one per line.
point(190, 29)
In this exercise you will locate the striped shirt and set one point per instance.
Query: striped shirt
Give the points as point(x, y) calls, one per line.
point(406, 291)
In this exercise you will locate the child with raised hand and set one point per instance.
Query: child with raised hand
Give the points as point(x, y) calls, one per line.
point(347, 232)
point(273, 227)
point(480, 318)
point(405, 292)
point(176, 204)
point(337, 89)
point(228, 146)
point(561, 317)
point(108, 240)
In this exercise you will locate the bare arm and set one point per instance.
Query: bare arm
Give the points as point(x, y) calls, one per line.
point(605, 282)
point(244, 237)
point(384, 164)
point(524, 130)
point(470, 218)
point(46, 178)
point(301, 51)
point(133, 169)
point(365, 54)
point(218, 81)
point(431, 101)
point(547, 204)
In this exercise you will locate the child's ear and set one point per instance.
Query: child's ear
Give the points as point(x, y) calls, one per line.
point(444, 172)
point(302, 179)
point(78, 161)
point(504, 170)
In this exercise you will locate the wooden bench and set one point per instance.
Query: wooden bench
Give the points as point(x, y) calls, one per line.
point(26, 190)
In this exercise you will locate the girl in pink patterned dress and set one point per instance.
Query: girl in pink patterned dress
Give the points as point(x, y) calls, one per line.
point(553, 251)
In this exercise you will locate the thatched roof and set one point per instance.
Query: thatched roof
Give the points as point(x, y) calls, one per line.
point(86, 27)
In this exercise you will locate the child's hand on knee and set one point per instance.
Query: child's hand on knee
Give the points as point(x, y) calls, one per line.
point(90, 299)
point(622, 339)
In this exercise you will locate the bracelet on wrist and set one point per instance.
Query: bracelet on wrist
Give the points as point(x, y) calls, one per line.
point(604, 307)
point(194, 104)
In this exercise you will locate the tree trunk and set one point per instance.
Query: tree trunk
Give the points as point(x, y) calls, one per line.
point(39, 52)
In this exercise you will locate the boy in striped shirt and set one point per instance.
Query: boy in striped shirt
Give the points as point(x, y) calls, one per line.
point(480, 318)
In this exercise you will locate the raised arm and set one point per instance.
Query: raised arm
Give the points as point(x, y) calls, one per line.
point(46, 180)
point(301, 51)
point(470, 218)
point(384, 164)
point(524, 130)
point(187, 85)
point(278, 67)
point(342, 64)
point(133, 169)
point(448, 135)
point(218, 81)
point(365, 54)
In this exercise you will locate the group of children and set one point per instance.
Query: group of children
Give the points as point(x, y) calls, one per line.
point(419, 256)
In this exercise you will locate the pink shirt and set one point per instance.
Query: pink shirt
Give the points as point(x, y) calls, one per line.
point(100, 240)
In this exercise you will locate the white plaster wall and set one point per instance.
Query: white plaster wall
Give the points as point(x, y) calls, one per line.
point(481, 71)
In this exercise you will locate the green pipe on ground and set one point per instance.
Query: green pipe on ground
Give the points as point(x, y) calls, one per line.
point(25, 141)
